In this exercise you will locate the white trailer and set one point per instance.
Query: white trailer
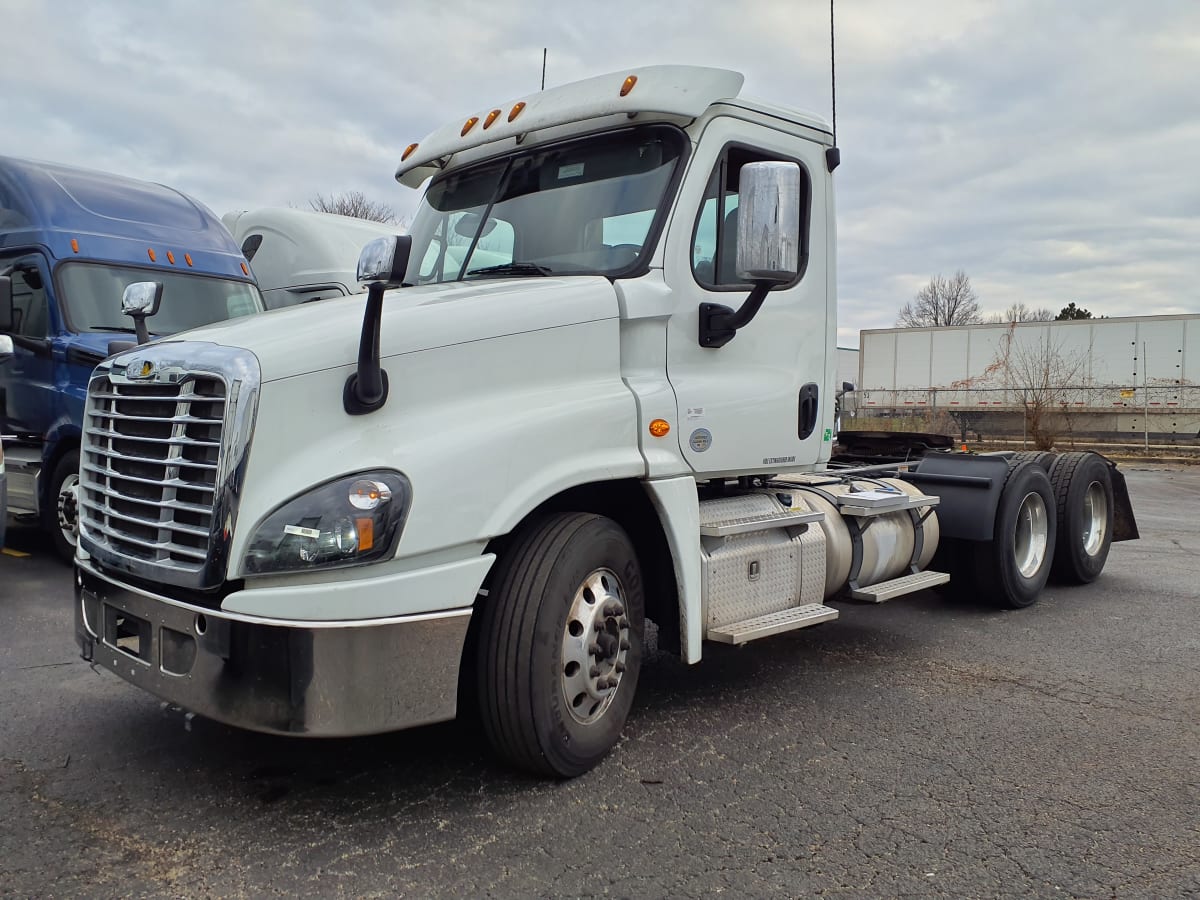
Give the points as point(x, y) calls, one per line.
point(594, 386)
point(1116, 376)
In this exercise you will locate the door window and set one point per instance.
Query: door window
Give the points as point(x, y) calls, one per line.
point(31, 314)
point(714, 243)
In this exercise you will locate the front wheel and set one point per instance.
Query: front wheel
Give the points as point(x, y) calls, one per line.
point(560, 644)
point(61, 515)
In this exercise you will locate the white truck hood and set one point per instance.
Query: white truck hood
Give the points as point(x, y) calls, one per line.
point(316, 336)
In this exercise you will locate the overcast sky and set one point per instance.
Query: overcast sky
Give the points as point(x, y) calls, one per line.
point(1051, 150)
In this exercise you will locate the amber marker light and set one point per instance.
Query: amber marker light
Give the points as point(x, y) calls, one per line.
point(467, 126)
point(660, 427)
point(408, 151)
point(171, 257)
point(366, 534)
point(74, 245)
point(516, 110)
point(628, 85)
point(245, 269)
point(187, 258)
point(491, 117)
point(150, 252)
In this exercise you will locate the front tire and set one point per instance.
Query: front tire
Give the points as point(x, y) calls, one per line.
point(61, 516)
point(560, 644)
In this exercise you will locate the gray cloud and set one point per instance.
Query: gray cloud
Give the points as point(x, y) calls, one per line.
point(1046, 149)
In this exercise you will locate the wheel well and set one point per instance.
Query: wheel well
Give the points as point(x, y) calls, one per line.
point(62, 448)
point(627, 504)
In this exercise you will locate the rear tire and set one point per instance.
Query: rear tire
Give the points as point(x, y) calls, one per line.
point(60, 518)
point(560, 644)
point(1044, 458)
point(1084, 507)
point(1011, 569)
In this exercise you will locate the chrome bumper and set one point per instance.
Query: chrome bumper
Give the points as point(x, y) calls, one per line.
point(321, 679)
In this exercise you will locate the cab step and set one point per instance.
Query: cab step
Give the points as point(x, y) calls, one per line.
point(773, 623)
point(898, 587)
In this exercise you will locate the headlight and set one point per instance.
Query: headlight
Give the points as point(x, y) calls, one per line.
point(355, 519)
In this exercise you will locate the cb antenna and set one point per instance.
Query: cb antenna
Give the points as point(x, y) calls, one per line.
point(544, 64)
point(833, 156)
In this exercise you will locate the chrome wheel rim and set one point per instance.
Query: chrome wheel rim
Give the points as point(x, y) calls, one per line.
point(595, 644)
point(1031, 534)
point(1095, 518)
point(68, 508)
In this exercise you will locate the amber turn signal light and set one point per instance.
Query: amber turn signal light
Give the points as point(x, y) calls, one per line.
point(660, 428)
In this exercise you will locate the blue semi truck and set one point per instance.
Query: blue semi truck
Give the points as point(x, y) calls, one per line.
point(71, 240)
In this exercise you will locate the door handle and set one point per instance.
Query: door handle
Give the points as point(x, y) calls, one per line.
point(808, 411)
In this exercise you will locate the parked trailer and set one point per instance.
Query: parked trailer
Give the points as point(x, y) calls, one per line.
point(1114, 377)
point(595, 386)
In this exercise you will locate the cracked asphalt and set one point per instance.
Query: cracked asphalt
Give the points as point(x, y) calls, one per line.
point(925, 747)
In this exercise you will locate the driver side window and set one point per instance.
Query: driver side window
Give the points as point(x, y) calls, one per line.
point(31, 314)
point(714, 242)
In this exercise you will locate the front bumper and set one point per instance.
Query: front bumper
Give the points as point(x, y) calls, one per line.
point(321, 679)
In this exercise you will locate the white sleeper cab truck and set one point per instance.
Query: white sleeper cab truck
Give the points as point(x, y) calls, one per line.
point(593, 386)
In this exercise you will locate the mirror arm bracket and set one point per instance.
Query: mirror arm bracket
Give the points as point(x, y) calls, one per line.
point(719, 323)
point(366, 390)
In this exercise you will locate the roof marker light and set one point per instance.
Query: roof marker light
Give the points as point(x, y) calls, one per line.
point(628, 85)
point(150, 251)
point(467, 126)
point(74, 245)
point(408, 151)
point(171, 257)
point(516, 110)
point(187, 258)
point(245, 269)
point(491, 117)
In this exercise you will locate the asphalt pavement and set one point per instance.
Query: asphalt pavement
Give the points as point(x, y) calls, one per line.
point(926, 747)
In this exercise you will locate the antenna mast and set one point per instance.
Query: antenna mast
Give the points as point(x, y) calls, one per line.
point(832, 73)
point(544, 64)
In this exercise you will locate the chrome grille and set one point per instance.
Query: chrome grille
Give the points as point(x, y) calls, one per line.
point(149, 473)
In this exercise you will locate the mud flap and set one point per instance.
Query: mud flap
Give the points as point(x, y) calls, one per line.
point(1124, 525)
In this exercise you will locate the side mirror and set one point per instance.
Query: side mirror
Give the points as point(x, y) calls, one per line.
point(384, 261)
point(6, 348)
point(768, 243)
point(141, 299)
point(6, 303)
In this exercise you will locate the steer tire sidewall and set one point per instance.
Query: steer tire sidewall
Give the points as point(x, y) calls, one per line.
point(1071, 476)
point(997, 575)
point(520, 662)
point(68, 465)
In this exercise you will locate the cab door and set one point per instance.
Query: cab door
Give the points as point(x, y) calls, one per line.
point(758, 403)
point(27, 381)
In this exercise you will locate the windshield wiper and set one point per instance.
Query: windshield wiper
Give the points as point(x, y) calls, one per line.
point(121, 328)
point(512, 268)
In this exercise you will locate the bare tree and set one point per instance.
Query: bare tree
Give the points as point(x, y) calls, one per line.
point(1046, 375)
point(356, 204)
point(1019, 312)
point(944, 301)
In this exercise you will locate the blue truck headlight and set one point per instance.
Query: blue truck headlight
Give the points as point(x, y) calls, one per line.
point(351, 520)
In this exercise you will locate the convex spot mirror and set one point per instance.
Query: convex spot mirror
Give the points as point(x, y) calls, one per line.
point(385, 260)
point(768, 241)
point(142, 298)
point(6, 348)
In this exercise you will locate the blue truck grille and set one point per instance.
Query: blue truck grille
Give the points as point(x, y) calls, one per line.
point(148, 483)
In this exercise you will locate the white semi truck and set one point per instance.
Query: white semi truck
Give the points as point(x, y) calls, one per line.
point(594, 386)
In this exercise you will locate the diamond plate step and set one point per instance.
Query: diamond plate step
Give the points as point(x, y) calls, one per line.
point(782, 519)
point(898, 587)
point(772, 623)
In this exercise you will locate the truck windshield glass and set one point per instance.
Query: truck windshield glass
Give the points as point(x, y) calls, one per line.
point(91, 296)
point(588, 206)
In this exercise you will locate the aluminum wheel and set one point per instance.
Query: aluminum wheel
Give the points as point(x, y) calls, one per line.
point(1095, 517)
point(1030, 536)
point(594, 645)
point(68, 509)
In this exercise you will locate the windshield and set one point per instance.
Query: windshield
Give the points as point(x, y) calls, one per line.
point(587, 206)
point(91, 296)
